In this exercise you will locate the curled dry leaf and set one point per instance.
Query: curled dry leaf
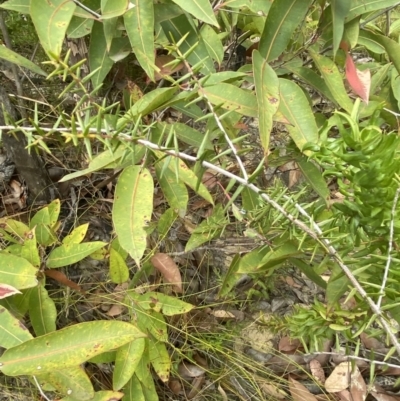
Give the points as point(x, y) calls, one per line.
point(168, 269)
point(187, 370)
point(161, 62)
point(63, 279)
point(339, 379)
point(317, 371)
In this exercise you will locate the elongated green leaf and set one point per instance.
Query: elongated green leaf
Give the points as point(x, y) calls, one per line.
point(179, 27)
point(17, 271)
point(367, 39)
point(133, 206)
point(119, 272)
point(12, 331)
point(392, 47)
point(104, 395)
point(98, 55)
point(311, 78)
point(79, 27)
point(145, 377)
point(47, 215)
point(230, 97)
point(21, 6)
point(139, 25)
point(109, 28)
point(29, 249)
point(200, 9)
point(190, 179)
point(174, 190)
point(296, 109)
point(283, 18)
point(213, 43)
point(340, 9)
point(77, 235)
point(188, 135)
point(113, 8)
point(333, 80)
point(133, 390)
point(150, 321)
point(42, 311)
point(267, 91)
point(67, 254)
point(160, 359)
point(67, 347)
point(148, 103)
point(127, 359)
point(314, 177)
point(73, 381)
point(360, 7)
point(51, 20)
point(15, 58)
point(169, 306)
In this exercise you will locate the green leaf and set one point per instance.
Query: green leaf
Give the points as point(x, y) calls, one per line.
point(188, 135)
point(391, 46)
point(169, 306)
point(340, 9)
point(42, 311)
point(139, 25)
point(73, 381)
point(29, 249)
point(150, 102)
point(113, 8)
point(283, 18)
point(180, 27)
point(21, 6)
point(67, 254)
point(333, 80)
point(152, 322)
point(188, 177)
point(267, 91)
point(12, 331)
point(17, 271)
point(51, 20)
point(127, 358)
point(160, 359)
point(308, 271)
point(311, 78)
point(47, 215)
point(361, 7)
point(119, 272)
point(133, 206)
point(77, 235)
point(15, 58)
point(337, 285)
point(109, 28)
point(314, 177)
point(70, 346)
point(98, 55)
point(133, 390)
point(145, 377)
point(213, 43)
point(367, 39)
point(231, 97)
point(79, 27)
point(200, 9)
point(173, 189)
point(295, 107)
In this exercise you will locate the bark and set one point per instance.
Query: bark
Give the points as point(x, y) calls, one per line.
point(29, 166)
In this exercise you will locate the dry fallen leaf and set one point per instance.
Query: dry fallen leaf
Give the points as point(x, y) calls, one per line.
point(168, 269)
point(300, 392)
point(187, 370)
point(161, 62)
point(317, 371)
point(288, 345)
point(339, 379)
point(358, 388)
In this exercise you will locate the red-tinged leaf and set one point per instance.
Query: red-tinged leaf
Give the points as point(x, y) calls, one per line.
point(300, 392)
point(7, 290)
point(169, 270)
point(63, 279)
point(359, 81)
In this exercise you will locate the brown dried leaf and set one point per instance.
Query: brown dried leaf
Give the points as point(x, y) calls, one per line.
point(300, 392)
point(168, 269)
point(63, 279)
point(287, 345)
point(317, 371)
point(175, 386)
point(161, 62)
point(380, 394)
point(371, 342)
point(273, 391)
point(339, 379)
point(358, 388)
